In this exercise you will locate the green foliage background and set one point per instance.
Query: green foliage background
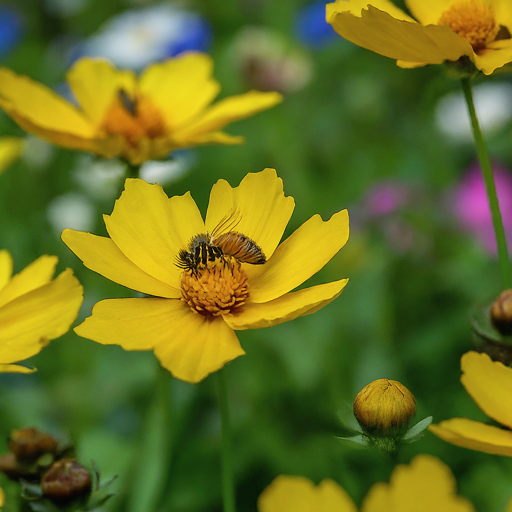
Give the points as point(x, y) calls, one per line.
point(404, 314)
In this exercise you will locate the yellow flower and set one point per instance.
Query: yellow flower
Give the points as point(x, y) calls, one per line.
point(138, 119)
point(425, 485)
point(190, 321)
point(447, 30)
point(10, 150)
point(33, 308)
point(490, 386)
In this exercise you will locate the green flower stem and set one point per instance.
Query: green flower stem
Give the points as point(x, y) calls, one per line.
point(485, 164)
point(228, 484)
point(132, 170)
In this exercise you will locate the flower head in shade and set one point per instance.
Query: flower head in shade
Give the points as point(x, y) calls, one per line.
point(426, 484)
point(440, 31)
point(10, 150)
point(135, 118)
point(470, 205)
point(138, 37)
point(34, 309)
point(207, 278)
point(490, 385)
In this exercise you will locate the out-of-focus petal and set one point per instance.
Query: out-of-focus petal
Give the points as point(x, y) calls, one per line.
point(474, 435)
point(356, 6)
point(6, 266)
point(15, 368)
point(287, 307)
point(10, 150)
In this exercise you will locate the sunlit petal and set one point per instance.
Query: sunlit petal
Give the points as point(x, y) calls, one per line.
point(356, 6)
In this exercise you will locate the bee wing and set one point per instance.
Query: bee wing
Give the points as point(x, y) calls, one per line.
point(227, 223)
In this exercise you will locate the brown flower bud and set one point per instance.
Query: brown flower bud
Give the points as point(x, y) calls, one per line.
point(31, 443)
point(501, 312)
point(384, 408)
point(66, 479)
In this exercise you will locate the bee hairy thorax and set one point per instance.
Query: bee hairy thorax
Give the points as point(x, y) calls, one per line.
point(204, 248)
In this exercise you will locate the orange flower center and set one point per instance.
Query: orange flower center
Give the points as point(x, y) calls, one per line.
point(217, 289)
point(133, 118)
point(472, 20)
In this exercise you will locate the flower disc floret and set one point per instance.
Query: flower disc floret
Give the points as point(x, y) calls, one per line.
point(219, 289)
point(472, 20)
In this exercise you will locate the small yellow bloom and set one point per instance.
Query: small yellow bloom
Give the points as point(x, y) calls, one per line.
point(207, 278)
point(445, 31)
point(490, 385)
point(166, 108)
point(425, 485)
point(384, 408)
point(10, 150)
point(33, 308)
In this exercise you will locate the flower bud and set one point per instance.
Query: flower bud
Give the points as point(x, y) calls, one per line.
point(501, 312)
point(384, 408)
point(31, 443)
point(66, 479)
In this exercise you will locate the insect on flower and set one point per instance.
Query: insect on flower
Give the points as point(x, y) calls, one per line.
point(130, 104)
point(207, 247)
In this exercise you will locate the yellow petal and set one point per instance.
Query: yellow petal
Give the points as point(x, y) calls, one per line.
point(474, 435)
point(10, 150)
point(186, 344)
point(150, 229)
point(287, 307)
point(425, 485)
point(410, 65)
point(508, 506)
point(40, 106)
point(490, 385)
point(2, 497)
point(260, 204)
point(15, 368)
point(101, 255)
point(227, 111)
point(503, 12)
point(497, 55)
point(210, 138)
point(298, 494)
point(181, 88)
point(38, 273)
point(30, 321)
point(356, 6)
point(407, 41)
point(95, 84)
point(427, 13)
point(300, 256)
point(5, 268)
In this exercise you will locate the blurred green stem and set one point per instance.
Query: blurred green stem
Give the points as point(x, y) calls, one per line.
point(228, 484)
point(132, 170)
point(485, 164)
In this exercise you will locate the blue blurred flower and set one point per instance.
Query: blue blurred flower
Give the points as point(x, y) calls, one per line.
point(10, 29)
point(311, 28)
point(138, 37)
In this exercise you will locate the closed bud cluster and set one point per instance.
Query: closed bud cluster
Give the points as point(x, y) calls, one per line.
point(501, 313)
point(65, 480)
point(384, 408)
point(31, 443)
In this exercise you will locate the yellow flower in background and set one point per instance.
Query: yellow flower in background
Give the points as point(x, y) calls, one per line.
point(490, 385)
point(136, 118)
point(10, 150)
point(34, 309)
point(445, 30)
point(208, 278)
point(424, 485)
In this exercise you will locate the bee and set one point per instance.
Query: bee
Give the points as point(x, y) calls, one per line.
point(211, 246)
point(130, 104)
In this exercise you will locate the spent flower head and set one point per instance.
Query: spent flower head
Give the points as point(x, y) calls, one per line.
point(135, 118)
point(206, 278)
point(479, 30)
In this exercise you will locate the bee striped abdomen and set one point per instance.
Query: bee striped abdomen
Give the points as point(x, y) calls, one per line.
point(240, 247)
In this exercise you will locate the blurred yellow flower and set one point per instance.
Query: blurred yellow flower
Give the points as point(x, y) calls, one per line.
point(425, 485)
point(490, 385)
point(10, 150)
point(166, 108)
point(445, 31)
point(34, 309)
point(208, 278)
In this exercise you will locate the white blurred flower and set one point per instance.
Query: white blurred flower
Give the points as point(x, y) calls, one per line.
point(37, 153)
point(165, 172)
point(493, 104)
point(135, 38)
point(73, 211)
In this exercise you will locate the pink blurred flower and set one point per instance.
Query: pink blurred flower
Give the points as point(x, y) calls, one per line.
point(385, 198)
point(471, 206)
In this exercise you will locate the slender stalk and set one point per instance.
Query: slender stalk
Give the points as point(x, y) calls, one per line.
point(228, 484)
point(485, 164)
point(132, 170)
